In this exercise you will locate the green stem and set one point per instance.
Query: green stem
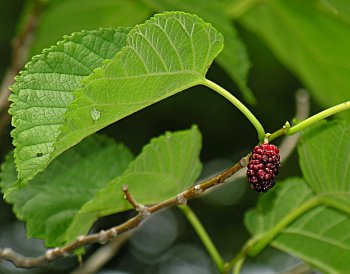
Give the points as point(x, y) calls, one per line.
point(319, 116)
point(311, 120)
point(238, 266)
point(203, 235)
point(259, 128)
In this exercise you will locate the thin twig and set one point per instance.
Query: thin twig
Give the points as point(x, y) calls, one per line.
point(141, 209)
point(108, 235)
point(129, 198)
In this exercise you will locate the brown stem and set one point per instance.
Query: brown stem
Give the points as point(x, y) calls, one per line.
point(129, 197)
point(108, 235)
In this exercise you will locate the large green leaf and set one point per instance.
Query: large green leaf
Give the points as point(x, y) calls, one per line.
point(45, 88)
point(312, 39)
point(325, 157)
point(234, 57)
point(49, 203)
point(319, 236)
point(165, 167)
point(168, 54)
point(77, 15)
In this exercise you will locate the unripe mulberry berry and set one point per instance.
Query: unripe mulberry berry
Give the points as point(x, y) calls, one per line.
point(263, 167)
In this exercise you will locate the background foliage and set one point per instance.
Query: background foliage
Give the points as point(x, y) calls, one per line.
point(288, 45)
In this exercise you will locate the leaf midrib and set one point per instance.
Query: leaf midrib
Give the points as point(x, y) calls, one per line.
point(145, 75)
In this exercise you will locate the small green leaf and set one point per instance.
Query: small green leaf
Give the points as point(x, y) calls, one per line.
point(312, 39)
point(319, 236)
point(166, 166)
point(45, 88)
point(234, 57)
point(168, 54)
point(325, 158)
point(77, 15)
point(49, 203)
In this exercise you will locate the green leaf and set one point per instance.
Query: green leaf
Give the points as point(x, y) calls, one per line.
point(312, 39)
point(77, 15)
point(44, 89)
point(234, 57)
point(49, 203)
point(319, 236)
point(325, 159)
point(168, 54)
point(166, 166)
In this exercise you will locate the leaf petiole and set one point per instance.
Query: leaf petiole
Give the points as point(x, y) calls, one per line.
point(319, 116)
point(238, 104)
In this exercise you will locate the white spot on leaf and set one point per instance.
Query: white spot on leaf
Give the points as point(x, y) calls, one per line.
point(95, 114)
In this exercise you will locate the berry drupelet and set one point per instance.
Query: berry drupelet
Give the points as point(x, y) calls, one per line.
point(263, 167)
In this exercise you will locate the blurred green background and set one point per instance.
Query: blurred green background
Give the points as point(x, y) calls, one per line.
point(166, 243)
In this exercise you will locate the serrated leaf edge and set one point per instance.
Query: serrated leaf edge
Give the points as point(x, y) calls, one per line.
point(25, 71)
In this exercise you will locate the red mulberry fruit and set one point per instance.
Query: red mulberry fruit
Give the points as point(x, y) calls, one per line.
point(263, 167)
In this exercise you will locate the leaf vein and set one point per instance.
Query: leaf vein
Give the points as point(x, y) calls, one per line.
point(155, 51)
point(317, 237)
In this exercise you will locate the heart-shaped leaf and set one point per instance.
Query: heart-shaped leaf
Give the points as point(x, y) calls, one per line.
point(168, 54)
